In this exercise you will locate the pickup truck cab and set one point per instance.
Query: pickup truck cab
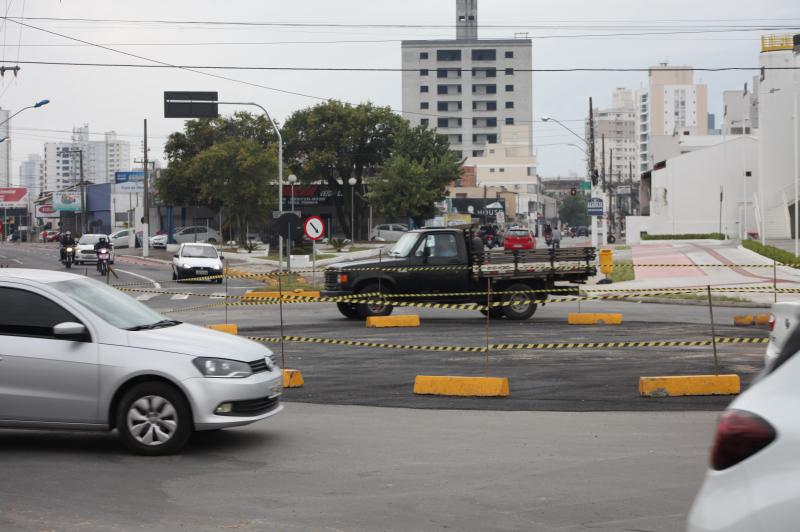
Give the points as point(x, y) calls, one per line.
point(450, 265)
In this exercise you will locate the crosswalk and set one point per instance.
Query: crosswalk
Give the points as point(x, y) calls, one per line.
point(177, 297)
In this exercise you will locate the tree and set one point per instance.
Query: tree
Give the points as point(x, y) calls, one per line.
point(225, 162)
point(333, 141)
point(417, 175)
point(573, 210)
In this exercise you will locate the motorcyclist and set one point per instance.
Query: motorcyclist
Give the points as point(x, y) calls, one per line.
point(102, 243)
point(66, 241)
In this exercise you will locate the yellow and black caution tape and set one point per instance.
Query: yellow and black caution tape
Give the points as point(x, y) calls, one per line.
point(514, 346)
point(187, 309)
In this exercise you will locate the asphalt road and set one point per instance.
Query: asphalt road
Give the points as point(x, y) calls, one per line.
point(332, 468)
point(558, 380)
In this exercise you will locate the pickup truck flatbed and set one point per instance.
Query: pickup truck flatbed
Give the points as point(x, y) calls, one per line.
point(431, 265)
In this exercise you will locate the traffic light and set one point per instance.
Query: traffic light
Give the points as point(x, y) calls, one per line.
point(595, 177)
point(573, 192)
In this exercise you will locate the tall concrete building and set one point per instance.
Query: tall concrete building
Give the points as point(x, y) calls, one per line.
point(467, 88)
point(672, 105)
point(31, 174)
point(618, 124)
point(101, 159)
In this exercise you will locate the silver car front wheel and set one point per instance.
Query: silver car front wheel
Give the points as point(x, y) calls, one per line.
point(152, 420)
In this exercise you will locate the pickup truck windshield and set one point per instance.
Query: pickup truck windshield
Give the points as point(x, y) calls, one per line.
point(404, 245)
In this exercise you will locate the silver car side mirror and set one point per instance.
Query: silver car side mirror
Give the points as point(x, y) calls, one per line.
point(69, 328)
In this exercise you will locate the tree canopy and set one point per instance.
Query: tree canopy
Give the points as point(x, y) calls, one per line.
point(573, 210)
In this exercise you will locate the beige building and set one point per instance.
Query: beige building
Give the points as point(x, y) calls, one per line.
point(672, 105)
point(618, 125)
point(509, 166)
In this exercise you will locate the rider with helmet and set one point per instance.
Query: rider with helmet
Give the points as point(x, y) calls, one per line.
point(66, 241)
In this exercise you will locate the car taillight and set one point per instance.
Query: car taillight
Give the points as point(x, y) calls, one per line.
point(739, 435)
point(771, 322)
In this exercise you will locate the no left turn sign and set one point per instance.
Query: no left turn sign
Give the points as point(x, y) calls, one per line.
point(314, 228)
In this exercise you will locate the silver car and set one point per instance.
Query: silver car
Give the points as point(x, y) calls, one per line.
point(76, 354)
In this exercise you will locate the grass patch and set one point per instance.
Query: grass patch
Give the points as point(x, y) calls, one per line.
point(771, 252)
point(686, 236)
point(294, 282)
point(624, 271)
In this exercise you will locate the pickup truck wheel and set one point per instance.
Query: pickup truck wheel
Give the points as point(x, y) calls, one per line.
point(348, 310)
point(365, 310)
point(518, 306)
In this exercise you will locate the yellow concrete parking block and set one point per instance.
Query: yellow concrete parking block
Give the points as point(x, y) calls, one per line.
point(292, 378)
point(682, 385)
point(743, 321)
point(230, 328)
point(411, 320)
point(762, 319)
point(596, 318)
point(461, 386)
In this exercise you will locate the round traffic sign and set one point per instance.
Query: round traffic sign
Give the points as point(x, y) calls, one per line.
point(314, 228)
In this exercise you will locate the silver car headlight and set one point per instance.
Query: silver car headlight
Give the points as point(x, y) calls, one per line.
point(222, 368)
point(185, 266)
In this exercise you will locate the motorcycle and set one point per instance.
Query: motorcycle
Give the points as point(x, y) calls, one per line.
point(103, 258)
point(69, 257)
point(490, 241)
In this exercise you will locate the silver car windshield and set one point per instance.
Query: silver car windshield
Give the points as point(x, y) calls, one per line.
point(109, 304)
point(404, 245)
point(89, 239)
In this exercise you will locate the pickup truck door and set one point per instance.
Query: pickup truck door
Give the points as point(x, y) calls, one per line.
point(438, 250)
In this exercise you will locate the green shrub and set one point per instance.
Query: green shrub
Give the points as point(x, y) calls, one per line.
point(687, 236)
point(339, 244)
point(771, 252)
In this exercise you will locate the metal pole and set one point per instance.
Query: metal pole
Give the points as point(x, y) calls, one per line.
point(83, 193)
point(352, 215)
point(488, 318)
point(796, 178)
point(280, 310)
point(713, 331)
point(146, 198)
point(775, 279)
point(592, 169)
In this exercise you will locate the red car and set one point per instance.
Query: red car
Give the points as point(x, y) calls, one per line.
point(519, 238)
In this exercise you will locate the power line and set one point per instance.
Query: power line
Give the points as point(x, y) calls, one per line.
point(196, 68)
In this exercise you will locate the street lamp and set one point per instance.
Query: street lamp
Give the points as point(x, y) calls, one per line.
point(38, 104)
point(352, 182)
point(292, 180)
point(551, 119)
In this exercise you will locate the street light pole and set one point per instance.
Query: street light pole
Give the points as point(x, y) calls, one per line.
point(38, 104)
point(352, 182)
point(292, 180)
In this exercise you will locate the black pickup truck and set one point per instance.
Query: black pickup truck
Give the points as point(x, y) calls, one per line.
point(428, 265)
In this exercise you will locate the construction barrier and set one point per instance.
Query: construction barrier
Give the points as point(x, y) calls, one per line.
point(293, 378)
point(683, 385)
point(576, 318)
point(461, 386)
point(410, 320)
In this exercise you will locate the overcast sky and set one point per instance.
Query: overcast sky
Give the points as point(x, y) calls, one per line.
point(119, 98)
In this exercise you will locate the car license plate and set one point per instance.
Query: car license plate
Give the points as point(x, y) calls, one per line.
point(517, 245)
point(201, 272)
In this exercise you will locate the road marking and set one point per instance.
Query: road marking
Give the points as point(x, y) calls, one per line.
point(218, 295)
point(16, 260)
point(179, 297)
point(145, 297)
point(149, 280)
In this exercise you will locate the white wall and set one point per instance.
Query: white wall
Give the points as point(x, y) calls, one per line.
point(685, 194)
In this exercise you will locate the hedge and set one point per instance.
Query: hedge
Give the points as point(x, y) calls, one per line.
point(687, 236)
point(771, 252)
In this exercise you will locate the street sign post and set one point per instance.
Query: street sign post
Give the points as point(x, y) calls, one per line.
point(190, 104)
point(594, 207)
point(315, 230)
point(586, 185)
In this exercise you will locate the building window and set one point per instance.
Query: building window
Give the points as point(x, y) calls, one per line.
point(484, 55)
point(509, 72)
point(509, 88)
point(423, 88)
point(423, 72)
point(509, 105)
point(502, 169)
point(448, 55)
point(487, 72)
point(509, 55)
point(491, 139)
point(509, 121)
point(423, 55)
point(443, 122)
point(457, 153)
point(424, 105)
point(491, 170)
point(424, 122)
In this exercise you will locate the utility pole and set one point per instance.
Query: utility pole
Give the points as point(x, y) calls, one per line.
point(630, 191)
point(146, 217)
point(83, 193)
point(611, 188)
point(592, 177)
point(603, 185)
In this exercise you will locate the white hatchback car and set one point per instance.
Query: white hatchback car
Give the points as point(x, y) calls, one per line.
point(197, 260)
point(76, 354)
point(752, 485)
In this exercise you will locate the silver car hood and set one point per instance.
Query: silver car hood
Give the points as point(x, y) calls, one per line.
point(198, 341)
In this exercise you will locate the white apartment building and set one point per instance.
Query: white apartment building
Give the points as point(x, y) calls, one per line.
point(672, 104)
point(618, 125)
point(510, 166)
point(467, 88)
point(31, 174)
point(101, 159)
point(5, 150)
point(740, 115)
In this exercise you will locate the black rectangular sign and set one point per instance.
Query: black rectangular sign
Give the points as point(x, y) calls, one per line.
point(190, 104)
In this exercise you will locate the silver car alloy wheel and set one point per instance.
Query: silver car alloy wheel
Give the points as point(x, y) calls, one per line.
point(152, 420)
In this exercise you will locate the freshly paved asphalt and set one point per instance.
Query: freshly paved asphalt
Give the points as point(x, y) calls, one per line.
point(332, 468)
